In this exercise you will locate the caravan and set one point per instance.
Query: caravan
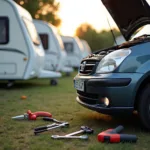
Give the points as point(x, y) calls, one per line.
point(21, 53)
point(74, 49)
point(56, 56)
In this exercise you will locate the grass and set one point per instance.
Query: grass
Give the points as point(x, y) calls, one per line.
point(60, 101)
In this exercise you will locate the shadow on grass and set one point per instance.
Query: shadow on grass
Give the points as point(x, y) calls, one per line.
point(131, 123)
point(24, 85)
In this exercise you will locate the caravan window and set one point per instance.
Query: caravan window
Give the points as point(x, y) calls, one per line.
point(60, 42)
point(44, 39)
point(32, 31)
point(68, 47)
point(4, 30)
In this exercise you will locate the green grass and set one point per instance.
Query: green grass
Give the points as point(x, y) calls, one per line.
point(60, 101)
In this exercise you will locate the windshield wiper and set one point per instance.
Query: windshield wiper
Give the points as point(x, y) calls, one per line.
point(142, 37)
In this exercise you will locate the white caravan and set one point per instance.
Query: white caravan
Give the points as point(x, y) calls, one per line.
point(87, 49)
point(56, 56)
point(74, 49)
point(21, 52)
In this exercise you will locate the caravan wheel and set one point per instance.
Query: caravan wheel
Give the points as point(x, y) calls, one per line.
point(53, 82)
point(10, 83)
point(68, 74)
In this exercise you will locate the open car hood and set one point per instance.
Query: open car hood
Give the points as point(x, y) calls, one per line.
point(129, 15)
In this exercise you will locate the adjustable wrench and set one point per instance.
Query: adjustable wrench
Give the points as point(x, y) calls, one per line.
point(45, 128)
point(84, 129)
point(82, 137)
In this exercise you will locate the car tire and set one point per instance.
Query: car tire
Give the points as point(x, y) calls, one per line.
point(144, 107)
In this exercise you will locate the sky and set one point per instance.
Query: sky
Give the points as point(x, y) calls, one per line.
point(75, 12)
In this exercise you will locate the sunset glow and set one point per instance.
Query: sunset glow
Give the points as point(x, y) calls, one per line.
point(75, 12)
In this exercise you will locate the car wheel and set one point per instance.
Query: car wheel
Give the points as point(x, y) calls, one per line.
point(144, 107)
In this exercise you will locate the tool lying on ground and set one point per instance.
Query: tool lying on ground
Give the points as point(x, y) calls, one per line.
point(82, 137)
point(84, 129)
point(50, 127)
point(113, 136)
point(52, 119)
point(32, 116)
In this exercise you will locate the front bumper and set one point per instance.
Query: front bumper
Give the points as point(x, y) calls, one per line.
point(119, 88)
point(105, 110)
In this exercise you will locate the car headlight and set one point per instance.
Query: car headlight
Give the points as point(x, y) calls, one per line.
point(111, 61)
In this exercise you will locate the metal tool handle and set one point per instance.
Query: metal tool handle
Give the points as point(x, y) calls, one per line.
point(82, 137)
point(45, 127)
point(50, 128)
point(74, 133)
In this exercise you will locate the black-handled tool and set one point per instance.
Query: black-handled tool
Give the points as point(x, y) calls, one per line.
point(51, 119)
point(45, 127)
point(65, 124)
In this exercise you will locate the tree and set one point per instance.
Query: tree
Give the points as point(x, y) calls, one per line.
point(97, 40)
point(42, 9)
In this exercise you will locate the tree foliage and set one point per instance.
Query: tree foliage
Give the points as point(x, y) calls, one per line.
point(42, 9)
point(97, 40)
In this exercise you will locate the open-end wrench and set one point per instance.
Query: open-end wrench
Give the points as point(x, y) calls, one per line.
point(84, 129)
point(65, 124)
point(82, 137)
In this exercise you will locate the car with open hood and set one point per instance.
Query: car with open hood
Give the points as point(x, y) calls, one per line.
point(117, 79)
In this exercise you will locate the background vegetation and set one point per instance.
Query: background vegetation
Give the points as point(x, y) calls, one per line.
point(47, 10)
point(42, 9)
point(96, 39)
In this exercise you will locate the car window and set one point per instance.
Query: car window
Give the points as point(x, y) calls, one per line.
point(4, 30)
point(45, 41)
point(32, 31)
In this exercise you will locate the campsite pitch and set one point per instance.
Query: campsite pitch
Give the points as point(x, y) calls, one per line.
point(60, 101)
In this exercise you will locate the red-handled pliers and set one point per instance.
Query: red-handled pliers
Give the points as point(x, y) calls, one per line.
point(32, 116)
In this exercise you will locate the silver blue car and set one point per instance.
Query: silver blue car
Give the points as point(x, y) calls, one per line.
point(117, 79)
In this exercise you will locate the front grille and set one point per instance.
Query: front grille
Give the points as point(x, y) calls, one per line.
point(91, 99)
point(87, 67)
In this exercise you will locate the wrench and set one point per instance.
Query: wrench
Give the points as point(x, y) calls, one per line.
point(82, 137)
point(84, 129)
point(65, 124)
